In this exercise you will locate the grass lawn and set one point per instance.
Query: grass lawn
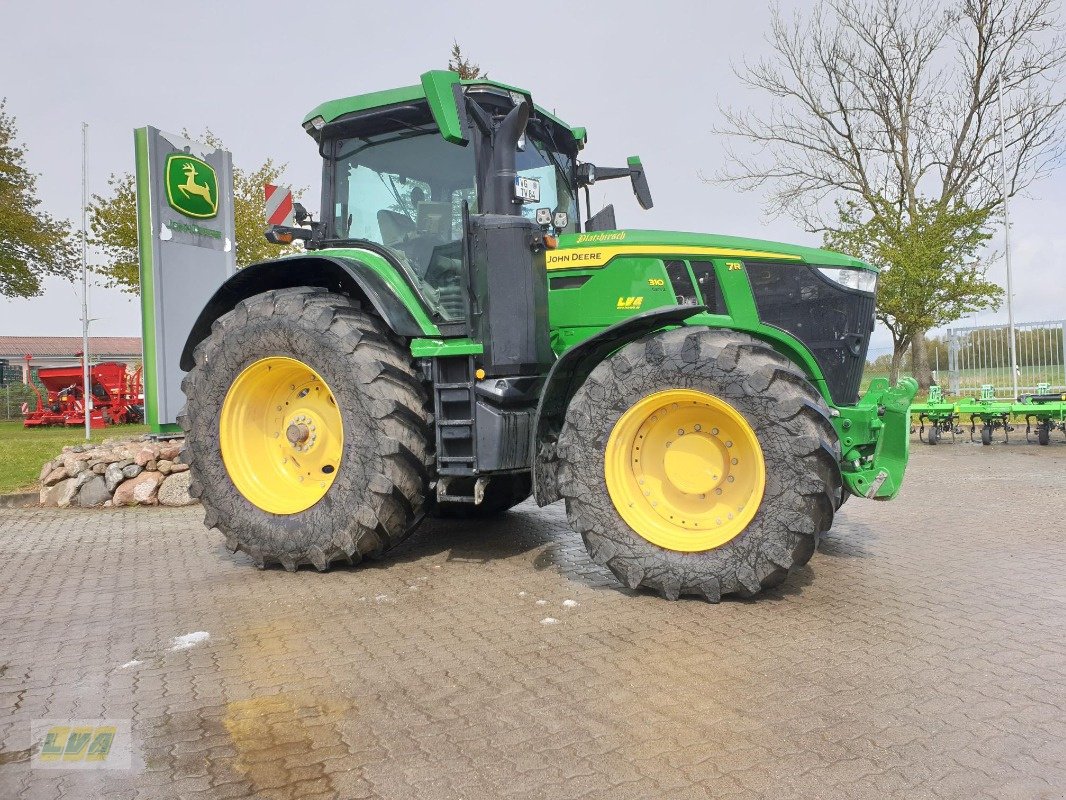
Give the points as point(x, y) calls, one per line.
point(24, 450)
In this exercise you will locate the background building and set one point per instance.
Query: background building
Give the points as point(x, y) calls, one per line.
point(61, 351)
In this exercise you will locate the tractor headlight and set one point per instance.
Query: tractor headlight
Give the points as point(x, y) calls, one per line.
point(862, 280)
point(560, 220)
point(544, 216)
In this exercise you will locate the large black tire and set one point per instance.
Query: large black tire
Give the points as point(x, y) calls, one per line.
point(791, 422)
point(1043, 433)
point(378, 494)
point(503, 493)
point(986, 434)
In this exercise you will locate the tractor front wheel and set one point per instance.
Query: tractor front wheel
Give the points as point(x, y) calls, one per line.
point(699, 461)
point(306, 429)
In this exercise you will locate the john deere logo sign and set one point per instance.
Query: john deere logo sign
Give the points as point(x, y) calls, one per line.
point(192, 186)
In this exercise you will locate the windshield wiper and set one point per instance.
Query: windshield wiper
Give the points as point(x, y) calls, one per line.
point(412, 133)
point(553, 151)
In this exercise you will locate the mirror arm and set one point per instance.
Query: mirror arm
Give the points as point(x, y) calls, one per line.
point(588, 174)
point(610, 173)
point(591, 173)
point(479, 116)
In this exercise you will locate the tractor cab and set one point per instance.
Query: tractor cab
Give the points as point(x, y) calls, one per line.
point(405, 169)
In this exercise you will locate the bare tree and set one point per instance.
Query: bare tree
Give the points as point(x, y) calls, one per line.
point(881, 110)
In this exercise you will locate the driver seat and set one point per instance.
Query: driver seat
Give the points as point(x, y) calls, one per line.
point(394, 226)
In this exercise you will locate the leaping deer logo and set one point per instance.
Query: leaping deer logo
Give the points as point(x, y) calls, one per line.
point(193, 189)
point(191, 186)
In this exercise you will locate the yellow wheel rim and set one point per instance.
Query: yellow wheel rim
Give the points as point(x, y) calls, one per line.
point(685, 470)
point(281, 435)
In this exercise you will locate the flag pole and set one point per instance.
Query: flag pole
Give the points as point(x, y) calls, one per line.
point(87, 395)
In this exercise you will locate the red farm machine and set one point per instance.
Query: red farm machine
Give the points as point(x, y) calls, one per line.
point(116, 397)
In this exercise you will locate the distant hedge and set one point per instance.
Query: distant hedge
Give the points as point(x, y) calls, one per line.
point(11, 399)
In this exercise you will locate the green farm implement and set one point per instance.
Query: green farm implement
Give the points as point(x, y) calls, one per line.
point(1044, 412)
point(459, 336)
point(940, 416)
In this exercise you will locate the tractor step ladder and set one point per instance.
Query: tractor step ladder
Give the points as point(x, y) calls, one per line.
point(454, 407)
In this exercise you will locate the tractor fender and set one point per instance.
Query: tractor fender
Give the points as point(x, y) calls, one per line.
point(569, 373)
point(347, 276)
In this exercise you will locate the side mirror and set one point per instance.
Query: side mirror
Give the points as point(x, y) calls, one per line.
point(640, 182)
point(588, 174)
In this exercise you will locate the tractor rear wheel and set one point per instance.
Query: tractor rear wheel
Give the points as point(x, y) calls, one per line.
point(699, 461)
point(306, 428)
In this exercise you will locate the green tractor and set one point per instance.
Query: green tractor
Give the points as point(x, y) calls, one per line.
point(458, 336)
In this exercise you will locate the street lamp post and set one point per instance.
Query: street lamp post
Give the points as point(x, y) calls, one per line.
point(1006, 247)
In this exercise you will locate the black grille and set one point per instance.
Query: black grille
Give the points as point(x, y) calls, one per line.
point(709, 288)
point(833, 322)
point(681, 283)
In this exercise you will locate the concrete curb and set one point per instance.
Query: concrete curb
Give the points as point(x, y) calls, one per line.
point(20, 499)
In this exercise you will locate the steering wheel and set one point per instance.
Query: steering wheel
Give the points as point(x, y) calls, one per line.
point(446, 259)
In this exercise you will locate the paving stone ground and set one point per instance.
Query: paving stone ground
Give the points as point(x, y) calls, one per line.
point(922, 653)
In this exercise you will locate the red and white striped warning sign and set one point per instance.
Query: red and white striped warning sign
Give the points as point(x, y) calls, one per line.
point(279, 205)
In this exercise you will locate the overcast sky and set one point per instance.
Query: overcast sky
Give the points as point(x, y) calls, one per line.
point(643, 78)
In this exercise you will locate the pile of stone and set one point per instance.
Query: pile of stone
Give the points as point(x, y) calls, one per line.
point(130, 472)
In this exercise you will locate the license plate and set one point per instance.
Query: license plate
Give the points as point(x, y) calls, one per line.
point(527, 189)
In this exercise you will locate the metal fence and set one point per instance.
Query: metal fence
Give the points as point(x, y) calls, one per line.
point(9, 373)
point(981, 355)
point(14, 393)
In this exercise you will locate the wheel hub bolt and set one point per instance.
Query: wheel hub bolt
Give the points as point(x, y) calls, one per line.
point(297, 433)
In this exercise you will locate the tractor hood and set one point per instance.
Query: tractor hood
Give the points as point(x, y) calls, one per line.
point(600, 246)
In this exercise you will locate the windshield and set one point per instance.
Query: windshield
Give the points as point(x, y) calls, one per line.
point(405, 190)
point(553, 169)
